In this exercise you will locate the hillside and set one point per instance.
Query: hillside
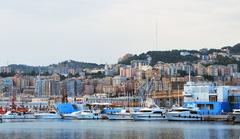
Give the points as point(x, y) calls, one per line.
point(76, 64)
point(235, 49)
point(33, 70)
point(174, 56)
point(164, 56)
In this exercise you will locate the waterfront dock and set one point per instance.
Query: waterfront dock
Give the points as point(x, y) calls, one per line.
point(216, 118)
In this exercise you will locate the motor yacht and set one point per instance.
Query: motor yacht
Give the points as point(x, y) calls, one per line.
point(124, 114)
point(87, 115)
point(184, 114)
point(48, 115)
point(149, 114)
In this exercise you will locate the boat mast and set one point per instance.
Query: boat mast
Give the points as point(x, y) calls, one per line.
point(178, 96)
point(13, 107)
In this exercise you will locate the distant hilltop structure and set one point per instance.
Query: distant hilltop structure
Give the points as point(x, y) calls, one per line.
point(125, 57)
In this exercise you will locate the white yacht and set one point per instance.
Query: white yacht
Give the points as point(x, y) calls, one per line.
point(71, 116)
point(87, 115)
point(14, 115)
point(149, 114)
point(124, 114)
point(49, 115)
point(184, 114)
point(81, 115)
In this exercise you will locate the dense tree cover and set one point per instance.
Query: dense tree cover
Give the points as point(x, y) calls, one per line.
point(27, 69)
point(235, 49)
point(220, 60)
point(164, 56)
point(128, 61)
point(174, 56)
point(170, 57)
point(34, 70)
point(210, 51)
point(76, 64)
point(95, 75)
point(33, 73)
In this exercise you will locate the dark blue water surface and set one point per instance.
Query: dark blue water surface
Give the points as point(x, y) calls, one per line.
point(63, 129)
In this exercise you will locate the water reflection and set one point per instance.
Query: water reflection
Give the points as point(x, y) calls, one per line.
point(118, 130)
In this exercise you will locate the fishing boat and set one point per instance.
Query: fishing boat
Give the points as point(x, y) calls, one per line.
point(124, 114)
point(17, 112)
point(184, 114)
point(149, 114)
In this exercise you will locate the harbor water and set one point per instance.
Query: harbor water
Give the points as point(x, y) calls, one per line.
point(103, 129)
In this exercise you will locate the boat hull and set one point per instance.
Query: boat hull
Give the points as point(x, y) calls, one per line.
point(149, 117)
point(18, 117)
point(119, 117)
point(179, 117)
point(69, 117)
point(48, 116)
point(87, 117)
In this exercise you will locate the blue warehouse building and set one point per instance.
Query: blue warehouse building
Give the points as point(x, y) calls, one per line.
point(211, 99)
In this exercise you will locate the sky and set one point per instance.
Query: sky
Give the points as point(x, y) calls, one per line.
point(50, 31)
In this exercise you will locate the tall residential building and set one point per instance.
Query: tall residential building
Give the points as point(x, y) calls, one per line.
point(74, 87)
point(39, 87)
point(47, 88)
point(71, 88)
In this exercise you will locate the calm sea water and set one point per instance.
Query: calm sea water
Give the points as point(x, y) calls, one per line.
point(64, 129)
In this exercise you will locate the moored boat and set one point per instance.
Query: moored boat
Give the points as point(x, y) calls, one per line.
point(71, 116)
point(184, 114)
point(87, 115)
point(47, 115)
point(124, 114)
point(149, 114)
point(81, 115)
point(15, 115)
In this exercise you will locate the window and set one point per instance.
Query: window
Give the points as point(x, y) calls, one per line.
point(201, 106)
point(210, 106)
point(193, 112)
point(157, 112)
point(234, 99)
point(213, 98)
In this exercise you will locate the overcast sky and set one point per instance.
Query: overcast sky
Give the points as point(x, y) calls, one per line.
point(43, 32)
